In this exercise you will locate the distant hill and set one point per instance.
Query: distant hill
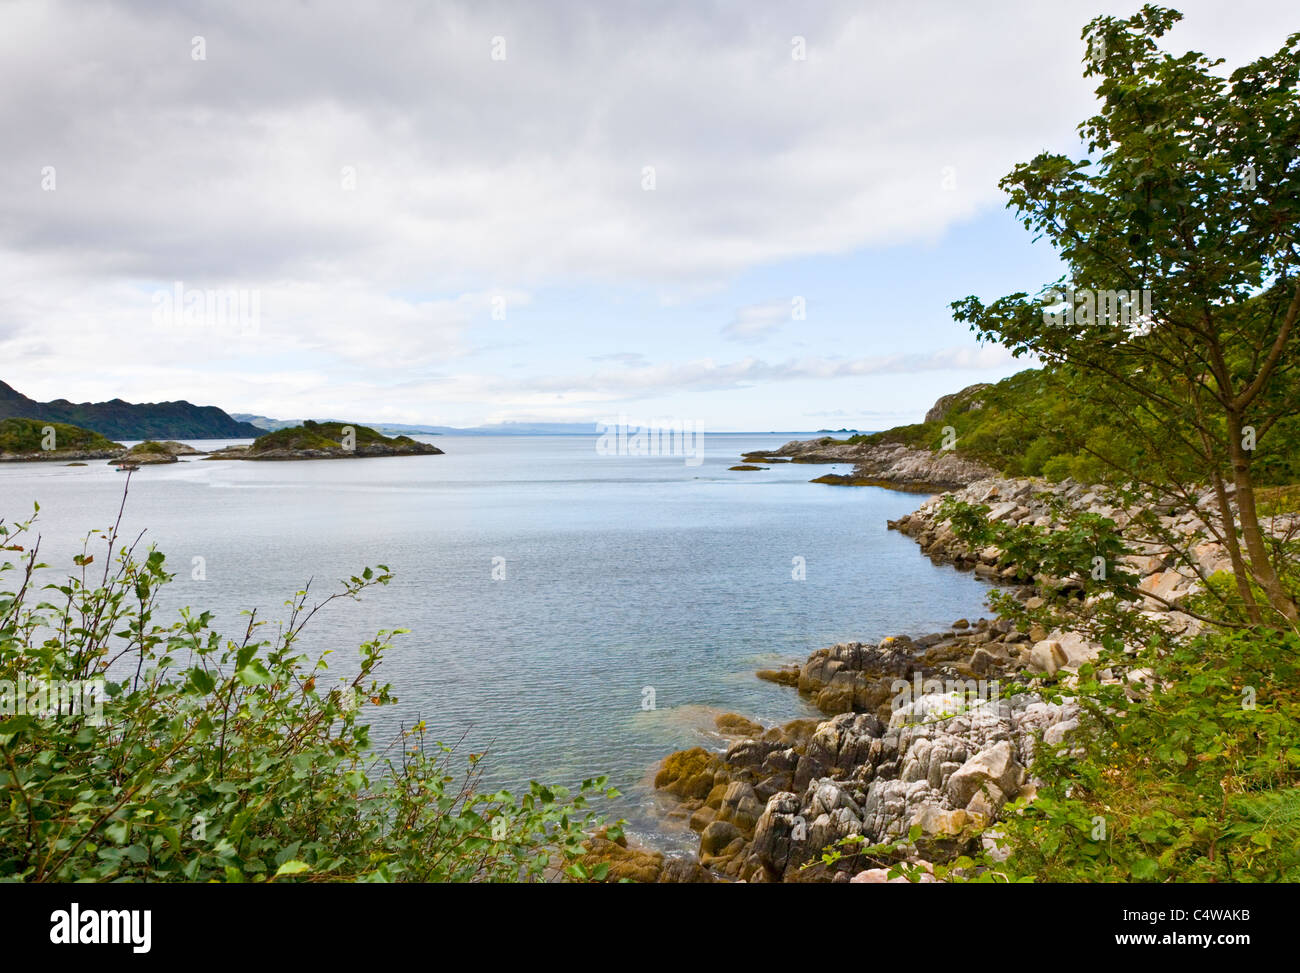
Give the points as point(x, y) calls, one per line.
point(268, 424)
point(527, 429)
point(264, 423)
point(125, 420)
point(1033, 423)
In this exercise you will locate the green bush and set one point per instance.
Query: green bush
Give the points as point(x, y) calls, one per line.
point(28, 436)
point(232, 758)
point(1194, 777)
point(1186, 762)
point(1039, 423)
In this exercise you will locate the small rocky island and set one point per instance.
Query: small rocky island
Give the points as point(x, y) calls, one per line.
point(326, 440)
point(151, 453)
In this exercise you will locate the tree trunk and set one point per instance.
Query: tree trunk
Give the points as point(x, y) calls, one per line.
point(1234, 550)
point(1261, 565)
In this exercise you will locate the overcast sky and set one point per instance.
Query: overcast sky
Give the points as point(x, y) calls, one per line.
point(471, 212)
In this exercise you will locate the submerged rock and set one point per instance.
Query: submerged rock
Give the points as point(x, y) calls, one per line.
point(627, 864)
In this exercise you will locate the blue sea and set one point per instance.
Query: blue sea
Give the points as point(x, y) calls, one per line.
point(570, 613)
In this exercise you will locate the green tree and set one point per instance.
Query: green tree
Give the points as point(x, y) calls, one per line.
point(1179, 232)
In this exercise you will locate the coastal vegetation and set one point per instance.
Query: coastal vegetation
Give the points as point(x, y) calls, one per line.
point(1139, 489)
point(133, 748)
point(1186, 764)
point(1039, 422)
point(323, 435)
point(33, 437)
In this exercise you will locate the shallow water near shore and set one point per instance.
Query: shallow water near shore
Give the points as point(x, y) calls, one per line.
point(628, 581)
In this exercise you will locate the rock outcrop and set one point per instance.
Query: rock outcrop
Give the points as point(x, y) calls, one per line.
point(968, 399)
point(1166, 580)
point(624, 863)
point(947, 762)
point(894, 465)
point(153, 453)
point(885, 459)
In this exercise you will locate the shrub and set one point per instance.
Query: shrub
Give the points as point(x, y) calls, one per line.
point(232, 758)
point(1194, 778)
point(29, 436)
point(1186, 762)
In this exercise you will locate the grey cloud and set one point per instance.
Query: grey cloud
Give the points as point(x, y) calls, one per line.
point(474, 174)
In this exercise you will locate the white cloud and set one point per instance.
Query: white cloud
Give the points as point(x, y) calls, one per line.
point(706, 374)
point(477, 177)
point(758, 321)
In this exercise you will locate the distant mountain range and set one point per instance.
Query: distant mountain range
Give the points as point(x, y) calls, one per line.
point(125, 420)
point(265, 423)
point(182, 420)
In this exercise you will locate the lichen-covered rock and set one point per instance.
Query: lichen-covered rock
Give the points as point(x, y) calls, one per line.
point(732, 724)
point(949, 775)
point(689, 774)
point(625, 864)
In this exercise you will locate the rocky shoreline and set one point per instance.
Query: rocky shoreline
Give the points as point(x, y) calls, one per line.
point(893, 465)
point(147, 453)
point(61, 455)
point(916, 734)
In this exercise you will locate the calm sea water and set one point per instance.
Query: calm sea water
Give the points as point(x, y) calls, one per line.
point(623, 575)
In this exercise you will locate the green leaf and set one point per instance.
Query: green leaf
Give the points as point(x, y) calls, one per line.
point(1144, 869)
point(254, 674)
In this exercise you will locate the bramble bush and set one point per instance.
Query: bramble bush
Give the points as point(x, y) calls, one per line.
point(1186, 762)
point(234, 759)
point(1191, 775)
